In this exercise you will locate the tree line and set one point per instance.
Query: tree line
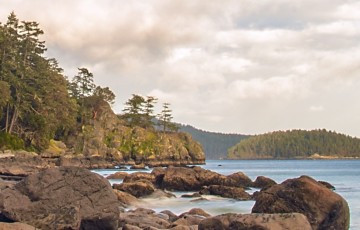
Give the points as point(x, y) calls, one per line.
point(296, 144)
point(38, 102)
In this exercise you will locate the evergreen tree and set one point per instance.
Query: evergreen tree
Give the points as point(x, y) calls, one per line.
point(165, 118)
point(149, 105)
point(105, 94)
point(134, 110)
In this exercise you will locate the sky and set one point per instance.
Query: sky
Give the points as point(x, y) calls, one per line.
point(234, 66)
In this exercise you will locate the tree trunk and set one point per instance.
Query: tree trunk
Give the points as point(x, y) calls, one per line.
point(7, 118)
point(13, 120)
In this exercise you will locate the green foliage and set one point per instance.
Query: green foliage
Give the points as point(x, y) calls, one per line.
point(105, 94)
point(296, 144)
point(8, 141)
point(215, 145)
point(165, 119)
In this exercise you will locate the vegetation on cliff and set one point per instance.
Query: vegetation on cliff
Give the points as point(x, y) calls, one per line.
point(296, 144)
point(39, 104)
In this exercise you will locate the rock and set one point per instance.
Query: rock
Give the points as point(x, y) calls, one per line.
point(238, 179)
point(139, 166)
point(199, 200)
point(117, 175)
point(137, 189)
point(172, 216)
point(225, 191)
point(160, 194)
point(324, 208)
point(142, 218)
point(126, 198)
point(159, 174)
point(196, 211)
point(61, 198)
point(188, 220)
point(15, 226)
point(193, 195)
point(293, 221)
point(6, 184)
point(140, 176)
point(130, 227)
point(183, 227)
point(327, 185)
point(263, 182)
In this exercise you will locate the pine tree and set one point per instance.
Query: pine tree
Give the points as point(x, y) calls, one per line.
point(134, 110)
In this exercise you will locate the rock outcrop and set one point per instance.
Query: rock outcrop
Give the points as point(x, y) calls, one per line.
point(323, 208)
point(293, 221)
point(263, 182)
point(61, 198)
point(137, 188)
point(226, 191)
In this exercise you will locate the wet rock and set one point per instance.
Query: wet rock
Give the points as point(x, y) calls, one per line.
point(199, 200)
point(61, 198)
point(140, 176)
point(160, 194)
point(159, 174)
point(137, 189)
point(117, 175)
point(293, 221)
point(188, 220)
point(263, 182)
point(225, 191)
point(324, 208)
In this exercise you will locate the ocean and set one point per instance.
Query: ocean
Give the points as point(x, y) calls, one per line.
point(343, 174)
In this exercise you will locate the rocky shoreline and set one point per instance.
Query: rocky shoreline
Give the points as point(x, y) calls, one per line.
point(59, 196)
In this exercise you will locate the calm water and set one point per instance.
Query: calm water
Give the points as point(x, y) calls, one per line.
point(343, 174)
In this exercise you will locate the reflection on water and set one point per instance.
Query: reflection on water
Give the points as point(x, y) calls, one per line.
point(343, 174)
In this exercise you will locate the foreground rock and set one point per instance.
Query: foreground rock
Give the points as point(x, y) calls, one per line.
point(323, 208)
point(140, 176)
point(225, 191)
point(293, 221)
point(16, 226)
point(143, 218)
point(62, 198)
point(126, 199)
point(117, 175)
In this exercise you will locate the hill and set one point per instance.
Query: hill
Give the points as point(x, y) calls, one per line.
point(296, 144)
point(215, 145)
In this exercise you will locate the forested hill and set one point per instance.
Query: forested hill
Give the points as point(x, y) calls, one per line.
point(296, 144)
point(215, 145)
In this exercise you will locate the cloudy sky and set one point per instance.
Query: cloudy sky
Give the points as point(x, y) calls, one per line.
point(239, 66)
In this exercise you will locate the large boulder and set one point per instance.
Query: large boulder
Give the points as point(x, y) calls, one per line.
point(117, 175)
point(324, 208)
point(143, 218)
point(126, 199)
point(225, 191)
point(137, 188)
point(140, 176)
point(62, 198)
point(238, 179)
point(293, 221)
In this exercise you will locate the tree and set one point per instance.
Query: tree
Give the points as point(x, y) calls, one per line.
point(82, 84)
point(149, 105)
point(105, 94)
point(165, 118)
point(134, 110)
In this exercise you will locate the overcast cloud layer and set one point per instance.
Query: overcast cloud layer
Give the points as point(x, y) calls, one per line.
point(239, 66)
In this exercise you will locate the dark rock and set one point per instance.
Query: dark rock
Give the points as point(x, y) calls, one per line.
point(62, 198)
point(137, 189)
point(140, 176)
point(159, 174)
point(199, 200)
point(196, 211)
point(263, 182)
point(327, 185)
point(324, 208)
point(225, 191)
point(117, 175)
point(193, 195)
point(293, 221)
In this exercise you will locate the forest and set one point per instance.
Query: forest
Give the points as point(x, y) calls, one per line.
point(296, 144)
point(39, 103)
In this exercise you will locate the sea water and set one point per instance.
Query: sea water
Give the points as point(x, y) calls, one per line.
point(343, 174)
